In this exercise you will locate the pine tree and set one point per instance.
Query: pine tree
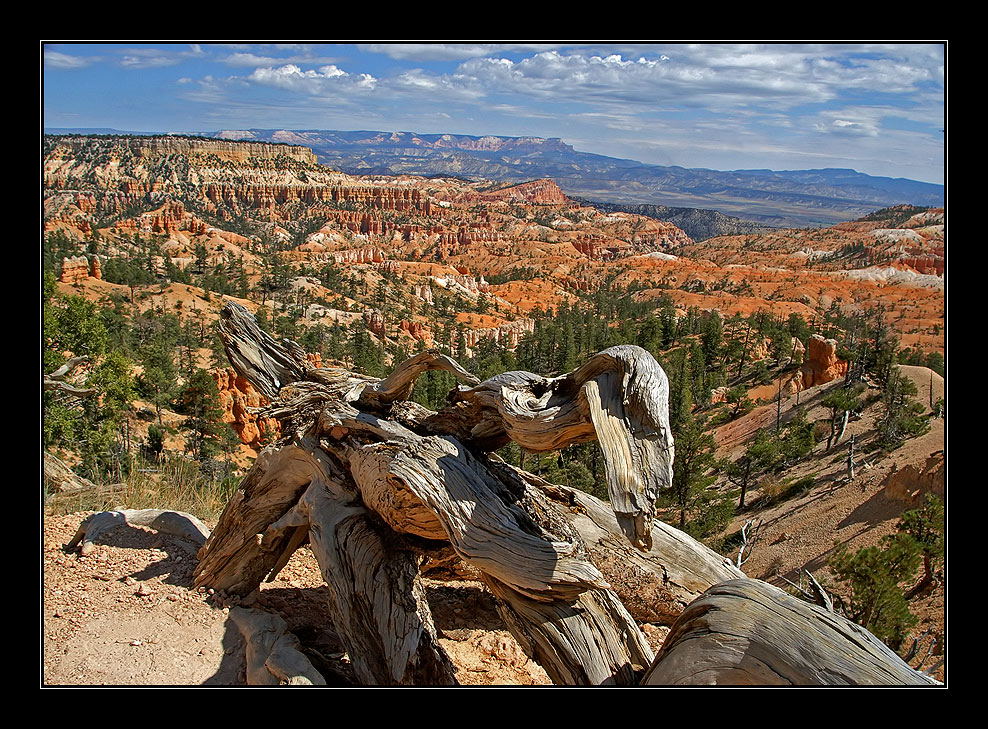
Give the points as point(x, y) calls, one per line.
point(841, 402)
point(926, 526)
point(873, 577)
point(902, 417)
point(760, 456)
point(159, 377)
point(737, 398)
point(700, 511)
point(87, 425)
point(199, 401)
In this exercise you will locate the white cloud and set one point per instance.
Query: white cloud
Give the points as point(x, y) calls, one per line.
point(250, 59)
point(705, 75)
point(687, 79)
point(423, 52)
point(270, 55)
point(313, 81)
point(150, 58)
point(54, 59)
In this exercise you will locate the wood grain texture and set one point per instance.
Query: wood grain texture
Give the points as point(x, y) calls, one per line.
point(748, 632)
point(266, 363)
point(378, 603)
point(483, 529)
point(274, 657)
point(655, 586)
point(237, 556)
point(619, 397)
point(588, 641)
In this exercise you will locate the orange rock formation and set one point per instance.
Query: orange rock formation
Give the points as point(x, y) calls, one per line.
point(822, 364)
point(79, 268)
point(236, 397)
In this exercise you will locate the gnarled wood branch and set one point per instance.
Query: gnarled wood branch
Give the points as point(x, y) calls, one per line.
point(619, 397)
point(655, 586)
point(374, 482)
point(266, 363)
point(57, 380)
point(362, 475)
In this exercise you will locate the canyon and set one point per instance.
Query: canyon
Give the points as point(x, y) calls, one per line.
point(795, 198)
point(447, 237)
point(381, 266)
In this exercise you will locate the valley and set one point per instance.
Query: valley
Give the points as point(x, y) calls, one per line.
point(146, 239)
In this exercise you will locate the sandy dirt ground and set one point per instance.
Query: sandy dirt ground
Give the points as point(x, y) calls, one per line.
point(127, 615)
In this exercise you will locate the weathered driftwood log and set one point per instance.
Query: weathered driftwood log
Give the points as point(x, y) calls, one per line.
point(374, 482)
point(619, 397)
point(268, 364)
point(747, 632)
point(177, 523)
point(295, 493)
point(59, 477)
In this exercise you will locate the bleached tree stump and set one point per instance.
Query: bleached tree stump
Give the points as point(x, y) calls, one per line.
point(374, 483)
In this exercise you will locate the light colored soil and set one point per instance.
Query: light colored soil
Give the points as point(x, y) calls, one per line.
point(127, 615)
point(801, 532)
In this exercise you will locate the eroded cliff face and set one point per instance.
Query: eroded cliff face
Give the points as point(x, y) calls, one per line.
point(913, 480)
point(151, 147)
point(424, 244)
point(79, 268)
point(227, 179)
point(536, 192)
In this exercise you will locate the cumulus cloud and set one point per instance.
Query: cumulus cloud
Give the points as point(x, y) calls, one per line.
point(311, 81)
point(765, 79)
point(273, 54)
point(686, 78)
point(697, 75)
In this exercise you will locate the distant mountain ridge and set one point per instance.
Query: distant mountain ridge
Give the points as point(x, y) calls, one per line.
point(792, 198)
point(777, 198)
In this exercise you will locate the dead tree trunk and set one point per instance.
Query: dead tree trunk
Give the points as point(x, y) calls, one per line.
point(374, 483)
point(747, 632)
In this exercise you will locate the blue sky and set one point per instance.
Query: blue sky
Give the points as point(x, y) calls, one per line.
point(876, 108)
